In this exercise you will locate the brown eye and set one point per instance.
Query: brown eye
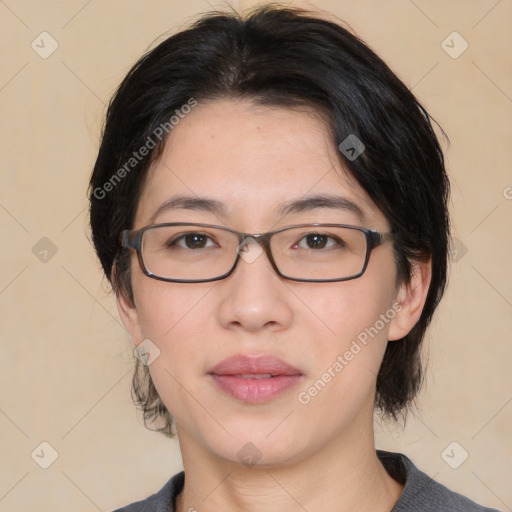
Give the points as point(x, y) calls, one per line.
point(316, 241)
point(319, 241)
point(191, 241)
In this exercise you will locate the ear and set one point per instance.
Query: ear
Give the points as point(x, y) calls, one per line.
point(411, 296)
point(127, 312)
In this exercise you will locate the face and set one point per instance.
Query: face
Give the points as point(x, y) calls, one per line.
point(253, 160)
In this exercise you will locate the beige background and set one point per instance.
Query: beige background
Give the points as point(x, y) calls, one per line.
point(65, 364)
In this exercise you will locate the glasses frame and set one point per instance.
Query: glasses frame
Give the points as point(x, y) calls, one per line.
point(132, 239)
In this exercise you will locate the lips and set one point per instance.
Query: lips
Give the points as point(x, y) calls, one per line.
point(255, 365)
point(255, 379)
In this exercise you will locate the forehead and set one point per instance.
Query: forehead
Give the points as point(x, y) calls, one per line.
point(253, 161)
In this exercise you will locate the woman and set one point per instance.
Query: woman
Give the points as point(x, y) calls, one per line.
point(269, 203)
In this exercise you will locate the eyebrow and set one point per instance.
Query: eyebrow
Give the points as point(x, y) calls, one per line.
point(308, 204)
point(183, 202)
point(322, 201)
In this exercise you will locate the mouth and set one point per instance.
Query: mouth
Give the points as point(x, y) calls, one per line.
point(255, 380)
point(255, 376)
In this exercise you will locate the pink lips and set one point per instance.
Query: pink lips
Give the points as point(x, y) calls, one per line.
point(254, 379)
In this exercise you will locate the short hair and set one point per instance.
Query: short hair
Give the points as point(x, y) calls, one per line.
point(288, 58)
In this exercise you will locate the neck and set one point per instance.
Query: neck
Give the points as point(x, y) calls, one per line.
point(345, 475)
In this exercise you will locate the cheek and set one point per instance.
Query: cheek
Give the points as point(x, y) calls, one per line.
point(348, 353)
point(349, 328)
point(164, 308)
point(342, 311)
point(174, 318)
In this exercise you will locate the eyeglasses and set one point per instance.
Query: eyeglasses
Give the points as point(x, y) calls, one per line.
point(198, 253)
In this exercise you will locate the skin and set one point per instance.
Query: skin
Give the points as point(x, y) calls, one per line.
point(319, 456)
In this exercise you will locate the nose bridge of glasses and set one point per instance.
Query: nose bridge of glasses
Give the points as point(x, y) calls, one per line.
point(252, 245)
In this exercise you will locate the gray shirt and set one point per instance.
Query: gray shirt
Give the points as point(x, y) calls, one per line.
point(421, 493)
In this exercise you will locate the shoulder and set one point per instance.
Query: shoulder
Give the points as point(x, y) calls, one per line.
point(162, 500)
point(422, 493)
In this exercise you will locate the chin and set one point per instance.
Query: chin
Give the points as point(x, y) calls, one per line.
point(257, 444)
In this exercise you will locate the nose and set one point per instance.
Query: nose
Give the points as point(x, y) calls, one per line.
point(253, 296)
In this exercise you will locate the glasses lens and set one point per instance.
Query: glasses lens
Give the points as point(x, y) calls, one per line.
point(319, 252)
point(188, 252)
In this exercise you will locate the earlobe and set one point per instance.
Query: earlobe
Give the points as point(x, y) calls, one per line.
point(411, 297)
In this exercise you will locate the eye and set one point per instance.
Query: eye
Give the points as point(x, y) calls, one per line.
point(318, 241)
point(191, 241)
